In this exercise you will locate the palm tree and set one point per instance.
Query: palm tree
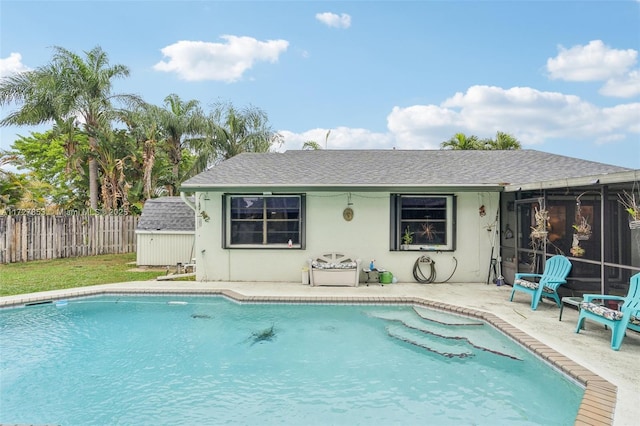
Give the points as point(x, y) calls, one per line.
point(503, 141)
point(69, 86)
point(314, 146)
point(311, 146)
point(460, 141)
point(67, 130)
point(181, 124)
point(234, 131)
point(115, 154)
point(143, 126)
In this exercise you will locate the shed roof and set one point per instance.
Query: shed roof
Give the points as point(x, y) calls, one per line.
point(377, 169)
point(166, 214)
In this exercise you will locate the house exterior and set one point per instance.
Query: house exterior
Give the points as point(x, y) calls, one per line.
point(261, 216)
point(165, 233)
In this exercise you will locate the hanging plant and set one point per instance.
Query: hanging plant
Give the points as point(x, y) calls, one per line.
point(539, 231)
point(631, 205)
point(577, 251)
point(582, 228)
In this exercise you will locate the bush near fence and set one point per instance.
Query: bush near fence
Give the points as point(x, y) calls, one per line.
point(36, 237)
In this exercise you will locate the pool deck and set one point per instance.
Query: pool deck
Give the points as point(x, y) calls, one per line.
point(612, 378)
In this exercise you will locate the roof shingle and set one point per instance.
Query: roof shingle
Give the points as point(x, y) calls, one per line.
point(166, 214)
point(395, 167)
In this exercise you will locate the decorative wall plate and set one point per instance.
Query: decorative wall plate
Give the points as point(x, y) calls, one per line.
point(347, 214)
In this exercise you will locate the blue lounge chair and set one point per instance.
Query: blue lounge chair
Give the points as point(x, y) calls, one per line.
point(619, 320)
point(556, 270)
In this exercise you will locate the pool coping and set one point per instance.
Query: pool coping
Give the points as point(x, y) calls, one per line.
point(598, 402)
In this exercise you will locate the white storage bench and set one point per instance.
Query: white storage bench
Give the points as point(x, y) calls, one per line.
point(334, 269)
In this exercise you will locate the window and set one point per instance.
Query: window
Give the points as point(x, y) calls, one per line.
point(427, 219)
point(258, 221)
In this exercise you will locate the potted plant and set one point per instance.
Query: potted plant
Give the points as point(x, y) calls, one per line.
point(407, 239)
point(632, 206)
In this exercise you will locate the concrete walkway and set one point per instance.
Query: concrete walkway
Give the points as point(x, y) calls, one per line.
point(590, 349)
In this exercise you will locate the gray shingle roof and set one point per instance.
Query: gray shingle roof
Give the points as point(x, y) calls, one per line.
point(335, 168)
point(166, 214)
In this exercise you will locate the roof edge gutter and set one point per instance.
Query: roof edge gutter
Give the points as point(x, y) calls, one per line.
point(601, 179)
point(338, 187)
point(183, 196)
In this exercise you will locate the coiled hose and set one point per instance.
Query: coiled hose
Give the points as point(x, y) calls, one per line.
point(420, 277)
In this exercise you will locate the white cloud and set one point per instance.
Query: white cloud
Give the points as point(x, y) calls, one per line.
point(593, 62)
point(623, 87)
point(334, 20)
point(12, 64)
point(598, 62)
point(199, 60)
point(339, 138)
point(532, 116)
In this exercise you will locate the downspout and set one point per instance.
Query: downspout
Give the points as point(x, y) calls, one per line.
point(192, 206)
point(184, 198)
point(604, 195)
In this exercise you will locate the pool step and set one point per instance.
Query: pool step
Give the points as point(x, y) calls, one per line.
point(447, 349)
point(445, 318)
point(462, 333)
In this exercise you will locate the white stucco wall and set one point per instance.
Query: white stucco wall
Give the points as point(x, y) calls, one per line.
point(164, 248)
point(366, 237)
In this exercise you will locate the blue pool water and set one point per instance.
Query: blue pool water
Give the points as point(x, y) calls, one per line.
point(208, 360)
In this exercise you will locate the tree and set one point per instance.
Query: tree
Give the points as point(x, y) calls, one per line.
point(114, 155)
point(503, 141)
point(234, 131)
point(10, 185)
point(69, 133)
point(311, 146)
point(44, 154)
point(460, 141)
point(143, 126)
point(69, 86)
point(314, 146)
point(181, 124)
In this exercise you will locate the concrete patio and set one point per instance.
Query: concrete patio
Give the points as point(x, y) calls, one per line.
point(553, 340)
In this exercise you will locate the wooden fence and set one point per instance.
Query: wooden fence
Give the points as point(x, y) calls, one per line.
point(32, 237)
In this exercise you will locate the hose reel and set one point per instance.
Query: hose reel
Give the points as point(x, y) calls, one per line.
point(420, 276)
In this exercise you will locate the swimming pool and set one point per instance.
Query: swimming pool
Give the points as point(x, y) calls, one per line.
point(184, 360)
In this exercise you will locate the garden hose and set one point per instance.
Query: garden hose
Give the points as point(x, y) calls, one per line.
point(420, 277)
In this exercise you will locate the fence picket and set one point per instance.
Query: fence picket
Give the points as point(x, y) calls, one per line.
point(27, 237)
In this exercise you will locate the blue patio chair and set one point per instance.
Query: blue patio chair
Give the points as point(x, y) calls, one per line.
point(556, 270)
point(619, 320)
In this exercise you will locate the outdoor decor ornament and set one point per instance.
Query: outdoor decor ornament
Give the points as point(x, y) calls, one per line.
point(508, 233)
point(347, 214)
point(541, 218)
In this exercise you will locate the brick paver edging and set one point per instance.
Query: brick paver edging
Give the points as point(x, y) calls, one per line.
point(599, 400)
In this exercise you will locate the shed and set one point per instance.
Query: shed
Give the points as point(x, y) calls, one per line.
point(165, 232)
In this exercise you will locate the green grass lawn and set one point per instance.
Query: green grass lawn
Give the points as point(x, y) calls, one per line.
point(42, 275)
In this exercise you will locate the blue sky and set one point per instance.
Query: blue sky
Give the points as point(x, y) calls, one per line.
point(561, 76)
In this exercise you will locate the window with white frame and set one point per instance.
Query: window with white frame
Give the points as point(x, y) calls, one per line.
point(264, 221)
point(422, 222)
